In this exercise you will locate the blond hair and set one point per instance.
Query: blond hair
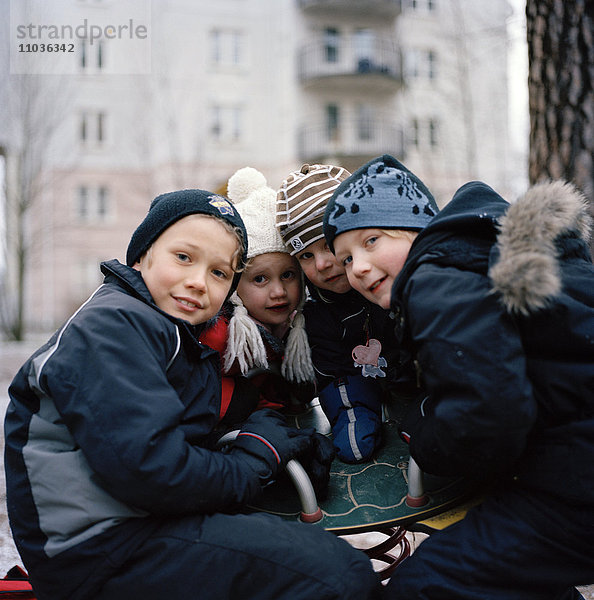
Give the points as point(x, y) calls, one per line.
point(401, 233)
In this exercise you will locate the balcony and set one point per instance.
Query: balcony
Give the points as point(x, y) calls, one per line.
point(384, 9)
point(354, 142)
point(345, 67)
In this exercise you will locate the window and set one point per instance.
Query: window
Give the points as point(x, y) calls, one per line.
point(331, 44)
point(226, 123)
point(414, 133)
point(92, 127)
point(433, 133)
point(431, 65)
point(412, 63)
point(421, 64)
point(364, 45)
point(92, 56)
point(226, 47)
point(418, 5)
point(92, 204)
point(332, 122)
point(364, 122)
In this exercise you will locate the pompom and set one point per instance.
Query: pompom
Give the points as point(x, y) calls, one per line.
point(243, 182)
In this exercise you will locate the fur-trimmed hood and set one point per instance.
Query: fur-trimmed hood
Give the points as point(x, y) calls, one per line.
point(527, 273)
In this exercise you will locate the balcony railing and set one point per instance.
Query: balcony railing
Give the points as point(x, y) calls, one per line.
point(382, 62)
point(358, 138)
point(379, 8)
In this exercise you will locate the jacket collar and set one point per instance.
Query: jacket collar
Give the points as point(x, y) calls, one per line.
point(528, 239)
point(473, 212)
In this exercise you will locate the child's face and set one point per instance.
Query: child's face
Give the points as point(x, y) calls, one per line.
point(270, 287)
point(189, 268)
point(372, 260)
point(322, 269)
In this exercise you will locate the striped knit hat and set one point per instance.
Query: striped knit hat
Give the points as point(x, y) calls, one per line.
point(300, 204)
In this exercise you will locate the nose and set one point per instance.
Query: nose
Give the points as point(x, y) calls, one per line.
point(359, 267)
point(196, 279)
point(277, 289)
point(324, 260)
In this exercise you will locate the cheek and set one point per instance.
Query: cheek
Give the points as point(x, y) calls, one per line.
point(294, 292)
point(395, 264)
point(252, 297)
point(354, 281)
point(310, 271)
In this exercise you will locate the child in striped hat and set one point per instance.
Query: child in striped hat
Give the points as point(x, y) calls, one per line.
point(347, 333)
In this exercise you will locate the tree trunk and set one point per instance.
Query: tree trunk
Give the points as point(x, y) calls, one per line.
point(561, 98)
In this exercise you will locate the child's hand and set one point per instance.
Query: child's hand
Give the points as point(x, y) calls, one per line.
point(266, 435)
point(317, 462)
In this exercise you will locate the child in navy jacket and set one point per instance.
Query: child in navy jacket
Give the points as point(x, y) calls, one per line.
point(496, 301)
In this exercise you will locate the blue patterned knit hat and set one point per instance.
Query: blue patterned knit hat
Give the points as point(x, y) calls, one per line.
point(381, 194)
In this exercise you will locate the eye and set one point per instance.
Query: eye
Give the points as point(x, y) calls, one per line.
point(259, 279)
point(182, 256)
point(306, 256)
point(371, 240)
point(347, 261)
point(288, 275)
point(219, 274)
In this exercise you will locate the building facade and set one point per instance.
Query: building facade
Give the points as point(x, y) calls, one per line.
point(266, 83)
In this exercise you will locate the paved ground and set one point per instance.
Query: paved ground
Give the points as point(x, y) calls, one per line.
point(11, 357)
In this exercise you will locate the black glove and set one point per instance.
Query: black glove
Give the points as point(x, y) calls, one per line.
point(317, 462)
point(266, 435)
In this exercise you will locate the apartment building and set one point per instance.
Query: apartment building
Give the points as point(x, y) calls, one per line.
point(215, 86)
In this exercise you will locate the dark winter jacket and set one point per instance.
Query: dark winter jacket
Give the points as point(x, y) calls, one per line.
point(351, 394)
point(336, 324)
point(497, 303)
point(106, 434)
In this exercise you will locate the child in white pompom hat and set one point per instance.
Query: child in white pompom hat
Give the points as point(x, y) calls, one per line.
point(260, 333)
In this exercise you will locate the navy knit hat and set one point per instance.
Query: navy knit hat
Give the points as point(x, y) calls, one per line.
point(381, 194)
point(168, 208)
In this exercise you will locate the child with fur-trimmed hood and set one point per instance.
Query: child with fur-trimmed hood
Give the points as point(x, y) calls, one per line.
point(496, 301)
point(266, 359)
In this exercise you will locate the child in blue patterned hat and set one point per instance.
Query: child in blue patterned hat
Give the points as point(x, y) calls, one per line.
point(496, 303)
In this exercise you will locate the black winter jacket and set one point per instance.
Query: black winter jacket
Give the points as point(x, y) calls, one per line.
point(497, 303)
point(107, 432)
point(336, 323)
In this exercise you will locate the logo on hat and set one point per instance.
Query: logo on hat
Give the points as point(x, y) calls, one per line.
point(221, 204)
point(296, 243)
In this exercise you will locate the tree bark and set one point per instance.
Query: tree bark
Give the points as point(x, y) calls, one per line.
point(561, 99)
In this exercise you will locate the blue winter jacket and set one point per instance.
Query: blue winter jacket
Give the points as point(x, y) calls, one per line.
point(107, 433)
point(497, 303)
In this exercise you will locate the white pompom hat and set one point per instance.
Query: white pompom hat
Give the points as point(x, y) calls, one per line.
point(256, 203)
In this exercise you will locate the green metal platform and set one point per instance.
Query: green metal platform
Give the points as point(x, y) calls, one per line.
point(366, 496)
